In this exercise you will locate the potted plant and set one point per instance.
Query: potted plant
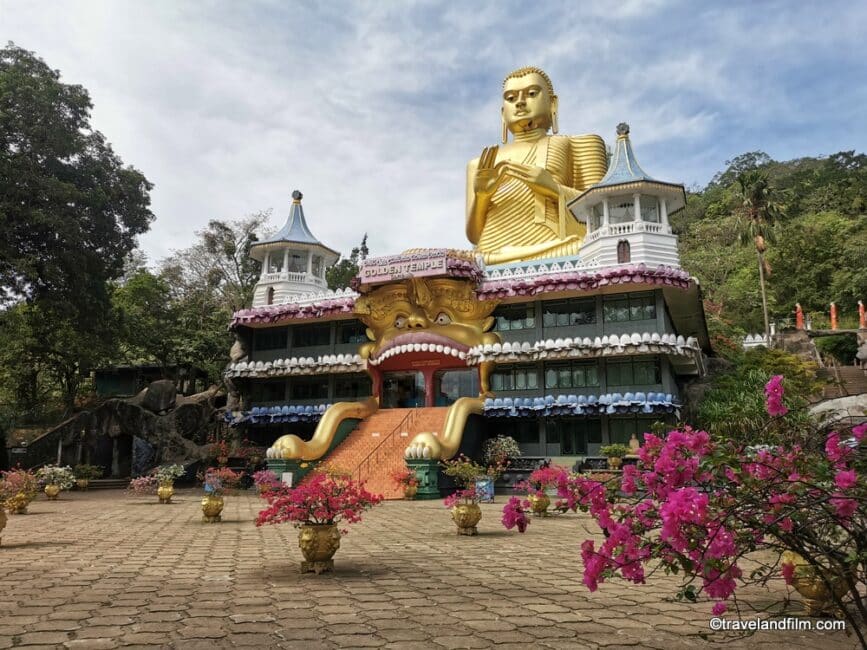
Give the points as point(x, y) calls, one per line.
point(146, 484)
point(217, 482)
point(266, 480)
point(220, 452)
point(405, 478)
point(500, 450)
point(464, 503)
point(541, 479)
point(54, 479)
point(615, 454)
point(166, 476)
point(21, 487)
point(84, 474)
point(316, 507)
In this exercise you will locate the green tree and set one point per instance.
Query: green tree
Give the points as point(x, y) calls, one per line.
point(219, 264)
point(759, 209)
point(149, 321)
point(340, 274)
point(70, 210)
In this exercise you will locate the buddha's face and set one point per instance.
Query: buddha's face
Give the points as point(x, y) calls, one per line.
point(526, 103)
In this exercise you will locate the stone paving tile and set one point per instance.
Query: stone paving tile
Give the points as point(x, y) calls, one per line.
point(106, 570)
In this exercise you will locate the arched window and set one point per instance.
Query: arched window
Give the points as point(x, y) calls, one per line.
point(270, 296)
point(623, 254)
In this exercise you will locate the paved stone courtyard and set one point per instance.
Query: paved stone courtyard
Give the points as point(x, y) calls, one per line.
point(105, 569)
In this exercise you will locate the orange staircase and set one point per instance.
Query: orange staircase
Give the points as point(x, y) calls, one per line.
point(375, 448)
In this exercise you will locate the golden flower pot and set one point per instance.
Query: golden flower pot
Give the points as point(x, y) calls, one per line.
point(51, 491)
point(17, 505)
point(2, 523)
point(817, 596)
point(212, 506)
point(614, 462)
point(165, 492)
point(539, 504)
point(466, 516)
point(409, 491)
point(318, 544)
point(82, 483)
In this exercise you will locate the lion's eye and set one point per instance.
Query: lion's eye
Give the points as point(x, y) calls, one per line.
point(443, 318)
point(400, 322)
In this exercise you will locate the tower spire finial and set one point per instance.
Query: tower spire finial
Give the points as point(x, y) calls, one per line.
point(297, 196)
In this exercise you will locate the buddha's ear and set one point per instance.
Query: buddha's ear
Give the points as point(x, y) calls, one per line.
point(505, 135)
point(554, 126)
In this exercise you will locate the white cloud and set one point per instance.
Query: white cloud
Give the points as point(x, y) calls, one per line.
point(373, 109)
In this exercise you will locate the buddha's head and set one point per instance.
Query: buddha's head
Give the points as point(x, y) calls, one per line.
point(529, 102)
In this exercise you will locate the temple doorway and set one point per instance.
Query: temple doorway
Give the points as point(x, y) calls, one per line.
point(403, 390)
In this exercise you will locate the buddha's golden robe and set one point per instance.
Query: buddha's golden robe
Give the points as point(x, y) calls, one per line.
point(517, 216)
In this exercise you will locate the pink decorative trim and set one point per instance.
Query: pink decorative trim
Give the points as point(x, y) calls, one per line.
point(487, 290)
point(582, 281)
point(292, 311)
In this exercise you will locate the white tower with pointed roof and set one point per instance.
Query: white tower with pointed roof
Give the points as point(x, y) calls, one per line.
point(293, 261)
point(627, 213)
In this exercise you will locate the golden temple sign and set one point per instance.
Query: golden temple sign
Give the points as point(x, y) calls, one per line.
point(398, 267)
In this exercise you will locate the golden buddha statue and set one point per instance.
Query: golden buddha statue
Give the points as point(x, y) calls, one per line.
point(517, 193)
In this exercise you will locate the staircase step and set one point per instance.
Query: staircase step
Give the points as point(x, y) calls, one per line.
point(108, 484)
point(358, 446)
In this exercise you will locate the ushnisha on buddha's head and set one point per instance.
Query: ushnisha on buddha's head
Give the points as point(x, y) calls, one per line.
point(529, 102)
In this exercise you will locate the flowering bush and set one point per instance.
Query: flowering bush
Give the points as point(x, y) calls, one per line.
point(546, 476)
point(220, 481)
point(404, 477)
point(697, 505)
point(321, 499)
point(19, 481)
point(500, 450)
point(54, 475)
point(218, 450)
point(144, 485)
point(465, 496)
point(266, 480)
point(168, 473)
point(515, 514)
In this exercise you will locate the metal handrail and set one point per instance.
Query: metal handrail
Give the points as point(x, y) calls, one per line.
point(389, 438)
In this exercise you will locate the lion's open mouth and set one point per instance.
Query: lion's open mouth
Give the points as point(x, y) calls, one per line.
point(420, 342)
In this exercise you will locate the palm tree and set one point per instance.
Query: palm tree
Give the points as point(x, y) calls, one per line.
point(758, 209)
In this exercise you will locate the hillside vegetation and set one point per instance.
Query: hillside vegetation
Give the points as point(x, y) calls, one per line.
point(815, 248)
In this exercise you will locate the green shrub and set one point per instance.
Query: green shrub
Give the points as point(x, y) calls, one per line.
point(842, 347)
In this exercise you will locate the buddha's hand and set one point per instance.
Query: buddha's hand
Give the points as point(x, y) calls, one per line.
point(536, 178)
point(488, 175)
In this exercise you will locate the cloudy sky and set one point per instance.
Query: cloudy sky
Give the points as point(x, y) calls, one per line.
point(372, 109)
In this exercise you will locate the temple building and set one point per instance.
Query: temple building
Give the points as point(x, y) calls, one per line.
point(568, 326)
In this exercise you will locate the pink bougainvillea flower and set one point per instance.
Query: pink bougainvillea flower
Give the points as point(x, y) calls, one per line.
point(774, 397)
point(719, 608)
point(846, 479)
point(859, 431)
point(844, 507)
point(788, 571)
